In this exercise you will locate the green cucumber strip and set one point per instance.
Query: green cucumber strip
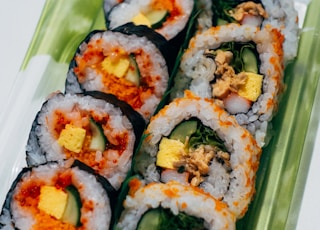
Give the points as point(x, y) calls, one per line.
point(150, 220)
point(157, 18)
point(72, 212)
point(221, 22)
point(98, 141)
point(183, 130)
point(133, 74)
point(164, 219)
point(249, 60)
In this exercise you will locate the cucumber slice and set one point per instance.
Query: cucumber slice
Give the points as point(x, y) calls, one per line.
point(184, 129)
point(133, 74)
point(249, 60)
point(98, 141)
point(221, 22)
point(72, 213)
point(150, 220)
point(157, 18)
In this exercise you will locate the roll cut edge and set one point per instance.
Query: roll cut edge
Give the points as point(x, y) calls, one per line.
point(58, 195)
point(168, 18)
point(174, 206)
point(95, 128)
point(242, 68)
point(130, 67)
point(278, 14)
point(195, 142)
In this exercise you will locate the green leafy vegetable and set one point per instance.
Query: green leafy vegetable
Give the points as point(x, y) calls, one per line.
point(206, 136)
point(202, 135)
point(221, 9)
point(166, 220)
point(238, 49)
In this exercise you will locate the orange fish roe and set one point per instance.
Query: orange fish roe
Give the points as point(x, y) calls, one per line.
point(184, 205)
point(89, 157)
point(169, 5)
point(127, 91)
point(45, 221)
point(279, 39)
point(122, 88)
point(220, 205)
point(28, 196)
point(134, 185)
point(172, 192)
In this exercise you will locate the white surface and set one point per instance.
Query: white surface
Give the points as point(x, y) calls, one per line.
point(18, 20)
point(22, 91)
point(310, 208)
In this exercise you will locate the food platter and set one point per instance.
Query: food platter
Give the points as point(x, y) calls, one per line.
point(285, 161)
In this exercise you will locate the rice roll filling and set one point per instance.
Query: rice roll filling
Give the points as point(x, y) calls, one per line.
point(189, 150)
point(236, 75)
point(89, 129)
point(82, 134)
point(161, 218)
point(167, 17)
point(242, 12)
point(123, 74)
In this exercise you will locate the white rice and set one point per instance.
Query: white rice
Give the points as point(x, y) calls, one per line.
point(89, 189)
point(124, 13)
point(185, 199)
point(244, 152)
point(283, 15)
point(108, 4)
point(204, 20)
point(43, 146)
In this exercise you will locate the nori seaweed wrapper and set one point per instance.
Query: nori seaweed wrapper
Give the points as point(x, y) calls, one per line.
point(173, 45)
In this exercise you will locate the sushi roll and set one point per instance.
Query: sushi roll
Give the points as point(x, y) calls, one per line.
point(195, 142)
point(89, 127)
point(239, 66)
point(172, 206)
point(128, 66)
point(279, 14)
point(157, 39)
point(167, 17)
point(64, 195)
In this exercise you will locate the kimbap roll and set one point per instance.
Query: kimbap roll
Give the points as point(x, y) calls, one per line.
point(128, 66)
point(166, 17)
point(91, 129)
point(172, 206)
point(195, 142)
point(239, 66)
point(279, 14)
point(58, 195)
